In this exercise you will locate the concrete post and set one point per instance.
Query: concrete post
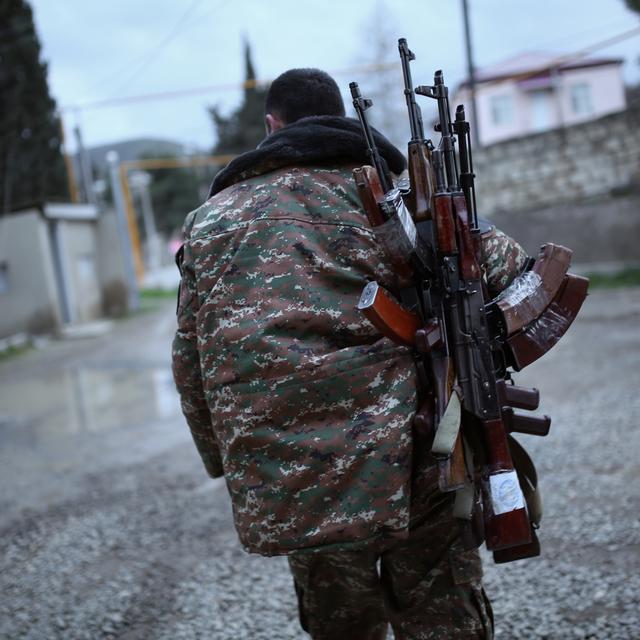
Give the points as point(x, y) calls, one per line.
point(123, 231)
point(141, 180)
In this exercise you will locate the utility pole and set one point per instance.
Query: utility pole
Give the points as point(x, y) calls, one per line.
point(123, 231)
point(85, 168)
point(475, 124)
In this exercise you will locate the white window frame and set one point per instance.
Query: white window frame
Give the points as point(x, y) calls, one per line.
point(502, 110)
point(581, 99)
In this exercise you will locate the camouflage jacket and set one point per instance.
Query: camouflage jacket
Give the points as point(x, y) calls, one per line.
point(288, 391)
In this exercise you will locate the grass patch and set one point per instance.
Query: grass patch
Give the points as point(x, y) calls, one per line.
point(13, 352)
point(150, 300)
point(158, 294)
point(629, 277)
point(153, 299)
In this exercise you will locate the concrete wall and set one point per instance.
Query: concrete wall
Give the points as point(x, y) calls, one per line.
point(601, 232)
point(60, 265)
point(78, 251)
point(587, 160)
point(607, 91)
point(111, 269)
point(30, 303)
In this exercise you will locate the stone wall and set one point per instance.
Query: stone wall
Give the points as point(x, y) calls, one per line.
point(601, 232)
point(566, 165)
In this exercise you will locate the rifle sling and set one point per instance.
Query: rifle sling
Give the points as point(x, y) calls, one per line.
point(463, 505)
point(528, 479)
point(448, 428)
point(466, 496)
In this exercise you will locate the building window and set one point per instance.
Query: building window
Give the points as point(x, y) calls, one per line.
point(4, 278)
point(502, 110)
point(541, 109)
point(581, 99)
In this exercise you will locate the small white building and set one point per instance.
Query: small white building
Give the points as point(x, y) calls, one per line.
point(535, 92)
point(60, 265)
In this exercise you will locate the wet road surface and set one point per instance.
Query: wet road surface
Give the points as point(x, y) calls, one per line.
point(111, 529)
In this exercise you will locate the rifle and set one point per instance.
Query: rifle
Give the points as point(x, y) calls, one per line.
point(506, 522)
point(455, 336)
point(420, 322)
point(421, 177)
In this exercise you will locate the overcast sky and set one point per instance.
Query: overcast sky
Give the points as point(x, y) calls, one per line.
point(103, 50)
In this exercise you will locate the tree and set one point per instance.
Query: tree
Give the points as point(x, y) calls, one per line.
point(243, 129)
point(174, 192)
point(634, 5)
point(31, 163)
point(384, 87)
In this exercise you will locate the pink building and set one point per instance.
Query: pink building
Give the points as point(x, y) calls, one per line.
point(538, 91)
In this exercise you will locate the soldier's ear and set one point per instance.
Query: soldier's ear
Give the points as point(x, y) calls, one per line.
point(272, 123)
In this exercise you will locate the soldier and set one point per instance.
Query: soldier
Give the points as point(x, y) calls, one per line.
point(295, 397)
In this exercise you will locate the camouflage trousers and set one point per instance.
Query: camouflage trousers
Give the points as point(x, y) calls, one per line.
point(426, 587)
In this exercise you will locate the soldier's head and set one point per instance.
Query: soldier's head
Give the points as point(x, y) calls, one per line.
point(298, 93)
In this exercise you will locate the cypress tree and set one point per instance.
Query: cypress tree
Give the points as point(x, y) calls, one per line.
point(31, 163)
point(243, 129)
point(634, 5)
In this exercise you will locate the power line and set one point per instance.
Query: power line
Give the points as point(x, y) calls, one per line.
point(146, 58)
point(563, 59)
point(575, 37)
point(183, 93)
point(161, 45)
point(179, 93)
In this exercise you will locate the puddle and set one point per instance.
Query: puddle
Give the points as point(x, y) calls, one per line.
point(86, 400)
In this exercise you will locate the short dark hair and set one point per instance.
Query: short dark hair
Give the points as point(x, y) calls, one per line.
point(298, 93)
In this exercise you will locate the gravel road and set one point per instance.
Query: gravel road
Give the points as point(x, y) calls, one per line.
point(111, 529)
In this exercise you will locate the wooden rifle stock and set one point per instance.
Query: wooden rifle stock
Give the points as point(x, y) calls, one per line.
point(370, 193)
point(519, 552)
point(387, 315)
point(444, 223)
point(506, 522)
point(422, 180)
point(469, 267)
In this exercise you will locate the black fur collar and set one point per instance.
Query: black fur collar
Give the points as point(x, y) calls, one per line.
point(312, 140)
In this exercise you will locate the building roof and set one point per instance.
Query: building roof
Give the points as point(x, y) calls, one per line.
point(535, 63)
point(70, 211)
point(60, 210)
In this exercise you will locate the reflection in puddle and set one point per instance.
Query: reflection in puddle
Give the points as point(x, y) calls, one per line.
point(83, 400)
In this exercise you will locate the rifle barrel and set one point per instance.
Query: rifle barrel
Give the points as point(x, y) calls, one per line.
point(361, 104)
point(415, 115)
point(462, 129)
